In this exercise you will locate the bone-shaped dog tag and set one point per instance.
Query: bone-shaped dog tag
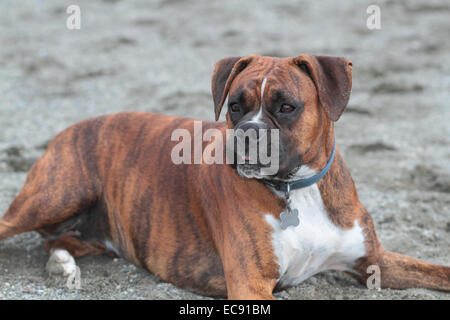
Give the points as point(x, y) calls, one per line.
point(289, 218)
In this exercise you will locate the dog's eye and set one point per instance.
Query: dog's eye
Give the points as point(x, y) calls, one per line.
point(285, 108)
point(234, 107)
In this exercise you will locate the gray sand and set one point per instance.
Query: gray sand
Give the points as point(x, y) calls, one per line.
point(159, 55)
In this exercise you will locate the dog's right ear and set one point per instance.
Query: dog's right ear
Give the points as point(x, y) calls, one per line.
point(225, 70)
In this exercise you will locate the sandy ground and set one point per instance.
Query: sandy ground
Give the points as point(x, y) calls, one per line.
point(159, 55)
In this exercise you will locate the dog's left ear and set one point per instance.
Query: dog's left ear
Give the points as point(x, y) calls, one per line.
point(333, 80)
point(225, 70)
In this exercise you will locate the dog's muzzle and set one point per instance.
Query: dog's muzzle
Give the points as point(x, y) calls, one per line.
point(252, 148)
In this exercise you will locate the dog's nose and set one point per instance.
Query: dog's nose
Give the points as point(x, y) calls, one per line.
point(257, 130)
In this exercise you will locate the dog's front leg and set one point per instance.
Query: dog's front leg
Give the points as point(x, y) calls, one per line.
point(398, 271)
point(245, 277)
point(245, 247)
point(241, 234)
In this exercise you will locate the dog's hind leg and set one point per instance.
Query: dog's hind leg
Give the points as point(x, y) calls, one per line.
point(35, 209)
point(58, 187)
point(76, 247)
point(6, 229)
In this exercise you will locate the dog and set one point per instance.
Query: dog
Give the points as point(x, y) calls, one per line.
point(109, 185)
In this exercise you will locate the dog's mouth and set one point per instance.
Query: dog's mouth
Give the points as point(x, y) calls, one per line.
point(249, 171)
point(247, 160)
point(247, 167)
point(250, 168)
point(259, 159)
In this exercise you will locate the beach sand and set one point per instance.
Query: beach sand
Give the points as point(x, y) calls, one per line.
point(159, 55)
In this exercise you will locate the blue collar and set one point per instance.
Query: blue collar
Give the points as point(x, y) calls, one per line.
point(303, 183)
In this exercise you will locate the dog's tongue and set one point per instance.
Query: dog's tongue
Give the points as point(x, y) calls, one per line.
point(245, 158)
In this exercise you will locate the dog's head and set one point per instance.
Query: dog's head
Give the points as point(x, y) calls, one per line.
point(300, 97)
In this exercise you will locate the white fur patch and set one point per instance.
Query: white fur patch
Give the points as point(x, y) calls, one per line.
point(263, 86)
point(304, 172)
point(316, 244)
point(257, 117)
point(61, 263)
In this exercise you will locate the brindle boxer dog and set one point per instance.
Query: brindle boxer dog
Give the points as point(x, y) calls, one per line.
point(109, 184)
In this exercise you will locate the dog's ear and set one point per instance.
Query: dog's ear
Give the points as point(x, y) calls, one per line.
point(225, 71)
point(333, 80)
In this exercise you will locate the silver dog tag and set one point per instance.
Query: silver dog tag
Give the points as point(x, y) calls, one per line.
point(289, 218)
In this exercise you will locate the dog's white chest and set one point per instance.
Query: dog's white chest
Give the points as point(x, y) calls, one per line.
point(316, 244)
